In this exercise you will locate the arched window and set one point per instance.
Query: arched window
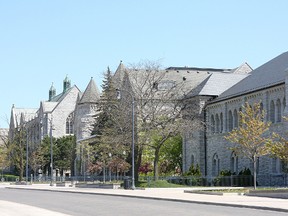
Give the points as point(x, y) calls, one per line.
point(276, 165)
point(192, 160)
point(221, 122)
point(284, 103)
point(272, 111)
point(217, 124)
point(70, 124)
point(215, 165)
point(234, 163)
point(278, 111)
point(230, 121)
point(235, 117)
point(239, 121)
point(212, 124)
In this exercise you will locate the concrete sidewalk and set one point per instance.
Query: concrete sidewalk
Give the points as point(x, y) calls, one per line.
point(172, 194)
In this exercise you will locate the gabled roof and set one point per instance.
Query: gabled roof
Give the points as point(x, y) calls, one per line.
point(91, 94)
point(48, 106)
point(188, 78)
point(216, 84)
point(26, 113)
point(269, 74)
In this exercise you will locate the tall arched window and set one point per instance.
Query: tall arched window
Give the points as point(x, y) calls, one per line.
point(192, 160)
point(70, 124)
point(284, 103)
point(235, 117)
point(278, 111)
point(272, 111)
point(230, 121)
point(215, 165)
point(221, 122)
point(276, 165)
point(234, 163)
point(217, 124)
point(212, 124)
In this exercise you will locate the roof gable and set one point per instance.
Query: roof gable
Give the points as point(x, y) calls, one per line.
point(269, 74)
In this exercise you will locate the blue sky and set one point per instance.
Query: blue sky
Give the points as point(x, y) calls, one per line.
point(42, 41)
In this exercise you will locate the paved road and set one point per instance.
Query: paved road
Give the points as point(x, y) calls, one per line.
point(85, 204)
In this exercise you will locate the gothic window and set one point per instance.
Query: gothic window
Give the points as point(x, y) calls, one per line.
point(284, 103)
point(70, 124)
point(215, 165)
point(234, 163)
point(217, 123)
point(192, 160)
point(239, 120)
point(235, 117)
point(221, 122)
point(278, 111)
point(261, 110)
point(272, 111)
point(212, 124)
point(230, 121)
point(276, 165)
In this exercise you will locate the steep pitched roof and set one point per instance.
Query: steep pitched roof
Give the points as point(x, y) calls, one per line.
point(119, 75)
point(269, 74)
point(48, 106)
point(216, 84)
point(25, 113)
point(91, 94)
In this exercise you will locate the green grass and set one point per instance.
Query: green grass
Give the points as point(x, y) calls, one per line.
point(157, 184)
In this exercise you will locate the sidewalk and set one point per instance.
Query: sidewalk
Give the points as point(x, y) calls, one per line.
point(172, 194)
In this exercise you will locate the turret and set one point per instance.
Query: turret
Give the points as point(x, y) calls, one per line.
point(66, 84)
point(52, 92)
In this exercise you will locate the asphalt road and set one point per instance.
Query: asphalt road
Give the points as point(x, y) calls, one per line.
point(91, 205)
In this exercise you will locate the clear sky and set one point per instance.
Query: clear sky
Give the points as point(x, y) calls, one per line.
point(42, 41)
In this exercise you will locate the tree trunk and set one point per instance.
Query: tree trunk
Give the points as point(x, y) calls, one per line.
point(156, 161)
point(255, 171)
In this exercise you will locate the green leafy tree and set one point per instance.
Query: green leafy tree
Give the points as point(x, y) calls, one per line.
point(17, 151)
point(251, 137)
point(171, 156)
point(64, 153)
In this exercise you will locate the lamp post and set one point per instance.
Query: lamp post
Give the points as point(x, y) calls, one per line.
point(27, 152)
point(51, 152)
point(133, 137)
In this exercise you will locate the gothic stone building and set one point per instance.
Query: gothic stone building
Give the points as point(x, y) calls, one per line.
point(68, 113)
point(267, 85)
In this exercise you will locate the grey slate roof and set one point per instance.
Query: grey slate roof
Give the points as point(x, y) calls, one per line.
point(269, 74)
point(26, 113)
point(188, 77)
point(216, 84)
point(91, 93)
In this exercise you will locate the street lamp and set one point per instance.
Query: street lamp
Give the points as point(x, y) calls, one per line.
point(27, 154)
point(133, 136)
point(51, 152)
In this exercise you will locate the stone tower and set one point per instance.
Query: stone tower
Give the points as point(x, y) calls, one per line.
point(86, 108)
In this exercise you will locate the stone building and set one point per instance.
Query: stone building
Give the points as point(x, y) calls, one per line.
point(68, 113)
point(268, 85)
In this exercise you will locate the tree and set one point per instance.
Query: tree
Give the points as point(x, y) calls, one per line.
point(4, 160)
point(17, 150)
point(279, 147)
point(112, 130)
point(160, 108)
point(251, 137)
point(63, 155)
